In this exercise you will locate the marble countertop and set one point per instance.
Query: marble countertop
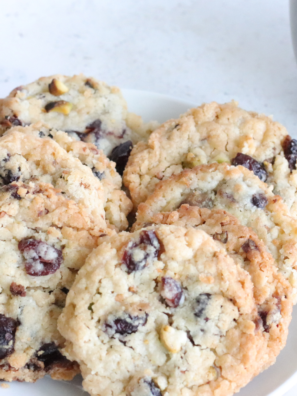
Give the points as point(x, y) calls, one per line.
point(197, 50)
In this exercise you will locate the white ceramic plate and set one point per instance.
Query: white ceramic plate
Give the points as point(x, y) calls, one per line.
point(275, 381)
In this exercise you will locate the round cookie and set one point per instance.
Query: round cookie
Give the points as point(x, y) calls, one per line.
point(25, 158)
point(117, 204)
point(44, 240)
point(86, 108)
point(215, 133)
point(240, 193)
point(165, 310)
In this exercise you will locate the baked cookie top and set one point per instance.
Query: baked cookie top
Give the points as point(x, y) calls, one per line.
point(116, 203)
point(242, 194)
point(45, 239)
point(86, 108)
point(246, 249)
point(214, 133)
point(25, 158)
point(164, 310)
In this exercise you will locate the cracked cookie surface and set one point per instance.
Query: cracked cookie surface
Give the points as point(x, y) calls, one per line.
point(216, 133)
point(29, 158)
point(246, 249)
point(44, 240)
point(116, 203)
point(164, 310)
point(242, 194)
point(86, 108)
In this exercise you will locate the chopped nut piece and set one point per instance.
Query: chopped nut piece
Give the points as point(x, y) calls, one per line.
point(221, 158)
point(191, 161)
point(57, 88)
point(61, 106)
point(172, 339)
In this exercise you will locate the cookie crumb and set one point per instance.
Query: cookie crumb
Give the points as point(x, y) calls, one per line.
point(5, 386)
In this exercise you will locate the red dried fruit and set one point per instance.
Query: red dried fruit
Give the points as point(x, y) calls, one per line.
point(49, 354)
point(126, 325)
point(17, 290)
point(201, 303)
point(41, 258)
point(154, 389)
point(259, 200)
point(290, 151)
point(172, 292)
point(8, 328)
point(248, 246)
point(138, 254)
point(251, 164)
point(120, 155)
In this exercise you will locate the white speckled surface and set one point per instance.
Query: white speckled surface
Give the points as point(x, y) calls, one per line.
point(198, 50)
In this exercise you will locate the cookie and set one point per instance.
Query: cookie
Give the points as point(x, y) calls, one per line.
point(117, 205)
point(242, 194)
point(246, 249)
point(25, 158)
point(165, 310)
point(215, 133)
point(45, 239)
point(85, 108)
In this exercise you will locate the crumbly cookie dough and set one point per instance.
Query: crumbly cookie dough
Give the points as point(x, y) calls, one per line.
point(44, 240)
point(116, 203)
point(242, 194)
point(216, 133)
point(86, 108)
point(165, 310)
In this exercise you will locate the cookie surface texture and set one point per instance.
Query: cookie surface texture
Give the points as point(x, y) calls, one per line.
point(164, 310)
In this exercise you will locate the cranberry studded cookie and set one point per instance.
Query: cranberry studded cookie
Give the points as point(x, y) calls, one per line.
point(242, 194)
point(165, 310)
point(246, 249)
point(216, 133)
point(24, 158)
point(45, 238)
point(117, 204)
point(86, 108)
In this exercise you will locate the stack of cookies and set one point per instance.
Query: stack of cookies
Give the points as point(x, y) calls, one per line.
point(152, 259)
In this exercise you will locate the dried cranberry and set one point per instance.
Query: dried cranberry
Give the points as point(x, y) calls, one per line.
point(8, 328)
point(93, 133)
point(13, 189)
point(126, 325)
point(17, 290)
point(120, 155)
point(251, 164)
point(154, 389)
point(221, 236)
point(290, 151)
point(98, 174)
point(248, 246)
point(139, 253)
point(89, 83)
point(49, 354)
point(41, 258)
point(202, 200)
point(172, 292)
point(263, 320)
point(11, 121)
point(201, 303)
point(259, 200)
